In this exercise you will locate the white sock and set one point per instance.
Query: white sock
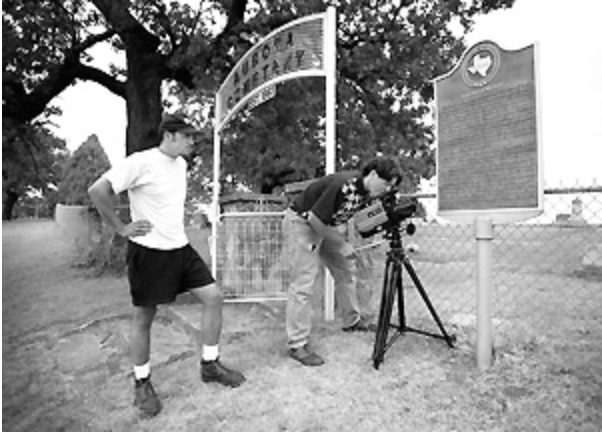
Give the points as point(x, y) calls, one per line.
point(142, 371)
point(210, 352)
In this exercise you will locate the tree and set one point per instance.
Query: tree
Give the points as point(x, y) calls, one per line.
point(387, 55)
point(31, 163)
point(388, 52)
point(46, 48)
point(81, 169)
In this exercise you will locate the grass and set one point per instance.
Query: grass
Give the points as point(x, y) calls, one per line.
point(65, 365)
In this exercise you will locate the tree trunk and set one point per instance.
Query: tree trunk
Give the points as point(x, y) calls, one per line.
point(146, 69)
point(9, 205)
point(143, 93)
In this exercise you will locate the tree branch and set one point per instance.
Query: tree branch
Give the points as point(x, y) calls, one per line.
point(163, 21)
point(92, 40)
point(24, 107)
point(236, 15)
point(129, 29)
point(86, 72)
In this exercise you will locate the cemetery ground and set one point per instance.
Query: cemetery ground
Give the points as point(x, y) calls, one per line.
point(66, 368)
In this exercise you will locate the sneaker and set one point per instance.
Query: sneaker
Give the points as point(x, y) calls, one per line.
point(146, 398)
point(362, 325)
point(214, 371)
point(305, 356)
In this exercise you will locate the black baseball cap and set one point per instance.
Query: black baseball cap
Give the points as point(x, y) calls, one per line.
point(175, 123)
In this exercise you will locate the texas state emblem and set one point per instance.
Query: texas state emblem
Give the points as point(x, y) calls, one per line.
point(481, 64)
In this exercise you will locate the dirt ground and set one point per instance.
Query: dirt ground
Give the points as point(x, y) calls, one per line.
point(66, 368)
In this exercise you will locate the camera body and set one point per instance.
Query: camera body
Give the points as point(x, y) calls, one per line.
point(384, 214)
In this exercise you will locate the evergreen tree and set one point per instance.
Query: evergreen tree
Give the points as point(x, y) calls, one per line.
point(86, 164)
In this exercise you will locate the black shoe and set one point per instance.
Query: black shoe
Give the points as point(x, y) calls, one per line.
point(362, 325)
point(214, 371)
point(146, 398)
point(305, 356)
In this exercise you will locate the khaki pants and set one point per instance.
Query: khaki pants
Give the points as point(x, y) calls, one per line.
point(305, 267)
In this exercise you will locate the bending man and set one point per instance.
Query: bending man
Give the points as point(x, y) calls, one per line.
point(312, 239)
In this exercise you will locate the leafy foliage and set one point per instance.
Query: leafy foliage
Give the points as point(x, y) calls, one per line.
point(31, 163)
point(82, 168)
point(44, 49)
point(387, 53)
point(387, 56)
point(279, 141)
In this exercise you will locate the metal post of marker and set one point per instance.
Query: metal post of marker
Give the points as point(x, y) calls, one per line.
point(484, 250)
point(330, 68)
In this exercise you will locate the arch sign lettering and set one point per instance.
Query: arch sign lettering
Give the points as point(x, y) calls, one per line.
point(294, 50)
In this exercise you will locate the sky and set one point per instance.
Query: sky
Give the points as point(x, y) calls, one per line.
point(569, 39)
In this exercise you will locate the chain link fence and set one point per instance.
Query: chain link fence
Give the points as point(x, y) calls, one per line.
point(547, 271)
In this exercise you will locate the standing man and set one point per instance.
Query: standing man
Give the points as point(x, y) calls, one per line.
point(312, 238)
point(161, 263)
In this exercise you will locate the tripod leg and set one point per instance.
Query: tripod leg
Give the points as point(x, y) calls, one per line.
point(384, 317)
point(400, 298)
point(427, 301)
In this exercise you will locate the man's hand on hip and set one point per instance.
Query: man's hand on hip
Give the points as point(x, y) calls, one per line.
point(136, 229)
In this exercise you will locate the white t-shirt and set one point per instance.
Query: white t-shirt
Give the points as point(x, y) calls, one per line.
point(156, 186)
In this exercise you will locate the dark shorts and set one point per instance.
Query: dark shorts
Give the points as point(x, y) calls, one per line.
point(158, 276)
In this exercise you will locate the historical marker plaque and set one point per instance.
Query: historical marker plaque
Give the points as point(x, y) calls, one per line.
point(488, 157)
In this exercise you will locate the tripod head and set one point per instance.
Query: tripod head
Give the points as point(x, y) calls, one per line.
point(394, 234)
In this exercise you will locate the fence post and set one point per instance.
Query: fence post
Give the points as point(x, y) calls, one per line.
point(484, 250)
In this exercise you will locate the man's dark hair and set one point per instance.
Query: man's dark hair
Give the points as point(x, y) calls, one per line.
point(387, 168)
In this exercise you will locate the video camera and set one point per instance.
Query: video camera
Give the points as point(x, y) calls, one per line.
point(385, 214)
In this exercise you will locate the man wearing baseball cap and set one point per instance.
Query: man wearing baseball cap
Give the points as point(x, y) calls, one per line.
point(161, 262)
point(177, 123)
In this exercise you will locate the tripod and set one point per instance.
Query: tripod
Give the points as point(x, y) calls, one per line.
point(392, 286)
